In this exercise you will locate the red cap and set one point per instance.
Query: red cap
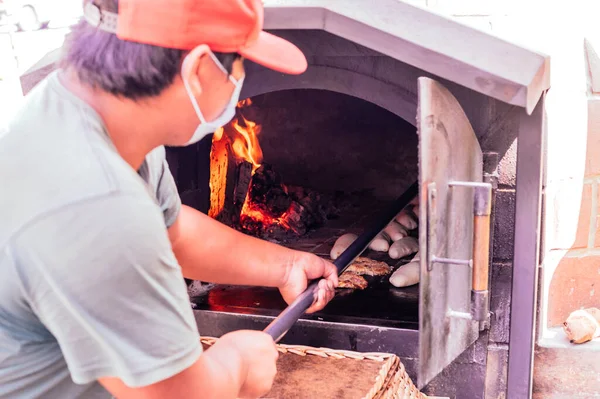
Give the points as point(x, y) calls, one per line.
point(227, 26)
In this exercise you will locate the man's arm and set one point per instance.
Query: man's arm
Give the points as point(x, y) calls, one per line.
point(240, 364)
point(207, 250)
point(210, 251)
point(206, 378)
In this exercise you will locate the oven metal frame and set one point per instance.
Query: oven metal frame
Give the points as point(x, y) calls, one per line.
point(531, 137)
point(530, 166)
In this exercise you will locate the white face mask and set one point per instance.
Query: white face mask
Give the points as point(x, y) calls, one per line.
point(228, 113)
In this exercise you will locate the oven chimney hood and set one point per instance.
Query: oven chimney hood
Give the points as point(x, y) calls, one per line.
point(418, 37)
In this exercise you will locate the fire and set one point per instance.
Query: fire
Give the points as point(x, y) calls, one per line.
point(242, 135)
point(246, 146)
point(244, 103)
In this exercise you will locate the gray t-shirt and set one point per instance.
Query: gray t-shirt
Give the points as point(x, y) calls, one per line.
point(89, 285)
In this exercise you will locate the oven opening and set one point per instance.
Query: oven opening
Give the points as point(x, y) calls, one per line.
point(302, 168)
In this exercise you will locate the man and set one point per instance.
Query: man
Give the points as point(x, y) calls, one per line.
point(94, 243)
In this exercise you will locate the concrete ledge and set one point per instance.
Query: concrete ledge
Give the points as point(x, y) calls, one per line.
point(555, 338)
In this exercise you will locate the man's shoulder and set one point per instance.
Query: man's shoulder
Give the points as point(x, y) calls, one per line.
point(55, 152)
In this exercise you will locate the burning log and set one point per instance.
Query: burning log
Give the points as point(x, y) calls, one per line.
point(270, 212)
point(268, 194)
point(321, 208)
point(252, 197)
point(229, 181)
point(260, 204)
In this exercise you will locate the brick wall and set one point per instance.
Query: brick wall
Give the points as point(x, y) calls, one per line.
point(571, 272)
point(571, 268)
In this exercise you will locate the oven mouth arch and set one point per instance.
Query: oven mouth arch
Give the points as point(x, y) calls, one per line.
point(386, 95)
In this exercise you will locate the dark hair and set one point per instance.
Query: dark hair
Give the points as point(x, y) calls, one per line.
point(123, 68)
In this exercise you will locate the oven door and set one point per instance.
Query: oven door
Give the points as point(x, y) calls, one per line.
point(450, 177)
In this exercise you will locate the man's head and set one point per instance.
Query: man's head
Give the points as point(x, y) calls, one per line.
point(138, 50)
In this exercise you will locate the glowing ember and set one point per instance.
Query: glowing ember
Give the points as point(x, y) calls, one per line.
point(253, 214)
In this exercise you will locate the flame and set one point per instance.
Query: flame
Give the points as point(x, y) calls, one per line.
point(218, 134)
point(245, 144)
point(244, 103)
point(244, 136)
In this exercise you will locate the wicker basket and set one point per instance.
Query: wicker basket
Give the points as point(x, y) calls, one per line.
point(306, 373)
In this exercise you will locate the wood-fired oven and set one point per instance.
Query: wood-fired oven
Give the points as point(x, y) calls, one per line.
point(395, 94)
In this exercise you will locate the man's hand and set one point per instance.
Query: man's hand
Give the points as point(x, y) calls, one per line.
point(258, 356)
point(304, 267)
